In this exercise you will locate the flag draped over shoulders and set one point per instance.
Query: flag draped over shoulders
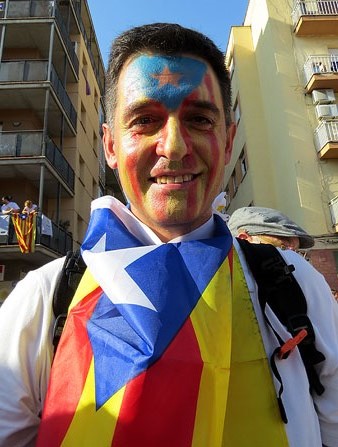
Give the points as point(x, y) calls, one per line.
point(145, 356)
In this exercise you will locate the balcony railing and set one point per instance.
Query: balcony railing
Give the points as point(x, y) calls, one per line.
point(43, 8)
point(63, 96)
point(60, 242)
point(30, 8)
point(30, 144)
point(315, 17)
point(37, 71)
point(327, 133)
point(69, 44)
point(320, 65)
point(313, 7)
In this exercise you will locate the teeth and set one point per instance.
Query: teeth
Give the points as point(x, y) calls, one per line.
point(164, 179)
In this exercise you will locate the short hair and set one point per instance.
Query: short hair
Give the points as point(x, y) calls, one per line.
point(168, 39)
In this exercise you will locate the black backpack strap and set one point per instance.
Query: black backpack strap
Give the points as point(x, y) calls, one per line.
point(278, 288)
point(70, 276)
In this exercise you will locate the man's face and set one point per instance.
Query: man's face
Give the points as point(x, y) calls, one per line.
point(169, 140)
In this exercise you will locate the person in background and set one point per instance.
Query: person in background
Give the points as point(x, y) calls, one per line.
point(165, 344)
point(9, 206)
point(261, 225)
point(335, 294)
point(29, 207)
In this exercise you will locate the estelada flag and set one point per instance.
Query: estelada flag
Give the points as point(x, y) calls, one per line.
point(25, 230)
point(144, 359)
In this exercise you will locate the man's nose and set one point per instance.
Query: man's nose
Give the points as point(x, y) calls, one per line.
point(175, 144)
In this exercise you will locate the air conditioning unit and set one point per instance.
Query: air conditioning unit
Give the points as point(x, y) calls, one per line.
point(323, 96)
point(329, 111)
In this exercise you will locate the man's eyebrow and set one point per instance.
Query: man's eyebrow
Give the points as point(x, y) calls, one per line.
point(138, 106)
point(200, 104)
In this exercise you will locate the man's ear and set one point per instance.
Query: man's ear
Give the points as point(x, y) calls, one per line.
point(231, 132)
point(108, 146)
point(243, 235)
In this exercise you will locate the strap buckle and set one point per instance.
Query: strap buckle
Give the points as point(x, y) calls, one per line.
point(58, 328)
point(290, 344)
point(296, 323)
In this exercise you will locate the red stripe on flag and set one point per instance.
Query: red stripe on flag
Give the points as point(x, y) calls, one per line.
point(72, 351)
point(159, 406)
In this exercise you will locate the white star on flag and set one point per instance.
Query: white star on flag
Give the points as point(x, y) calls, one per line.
point(109, 270)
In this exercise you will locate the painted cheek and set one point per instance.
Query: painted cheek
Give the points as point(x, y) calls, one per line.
point(131, 168)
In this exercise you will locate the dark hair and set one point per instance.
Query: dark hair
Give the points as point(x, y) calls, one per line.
point(9, 198)
point(165, 38)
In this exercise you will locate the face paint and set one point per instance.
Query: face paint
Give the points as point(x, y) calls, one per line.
point(169, 141)
point(167, 79)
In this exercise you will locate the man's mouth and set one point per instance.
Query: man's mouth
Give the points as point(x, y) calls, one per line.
point(170, 180)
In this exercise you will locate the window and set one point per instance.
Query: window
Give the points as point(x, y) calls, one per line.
point(243, 163)
point(95, 190)
point(83, 116)
point(227, 196)
point(237, 111)
point(95, 143)
point(96, 100)
point(234, 182)
point(82, 170)
point(231, 66)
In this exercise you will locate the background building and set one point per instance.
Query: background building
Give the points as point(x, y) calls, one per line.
point(51, 88)
point(284, 68)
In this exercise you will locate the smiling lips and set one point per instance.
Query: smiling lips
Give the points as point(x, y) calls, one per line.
point(169, 179)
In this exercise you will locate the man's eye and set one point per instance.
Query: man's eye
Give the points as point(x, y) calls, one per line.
point(201, 122)
point(143, 120)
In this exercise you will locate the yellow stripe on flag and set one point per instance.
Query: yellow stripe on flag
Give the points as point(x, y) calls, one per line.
point(252, 416)
point(86, 286)
point(212, 321)
point(90, 427)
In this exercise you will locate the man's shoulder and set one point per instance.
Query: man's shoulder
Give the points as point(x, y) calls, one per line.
point(51, 268)
point(44, 277)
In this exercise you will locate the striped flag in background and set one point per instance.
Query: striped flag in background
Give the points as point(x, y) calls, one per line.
point(25, 230)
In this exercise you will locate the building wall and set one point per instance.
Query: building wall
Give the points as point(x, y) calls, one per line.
point(278, 121)
point(80, 147)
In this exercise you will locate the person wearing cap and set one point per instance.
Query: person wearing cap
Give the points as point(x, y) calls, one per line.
point(261, 225)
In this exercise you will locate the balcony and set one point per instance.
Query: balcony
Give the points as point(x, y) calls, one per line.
point(19, 9)
point(27, 148)
point(35, 74)
point(58, 244)
point(321, 72)
point(315, 17)
point(326, 139)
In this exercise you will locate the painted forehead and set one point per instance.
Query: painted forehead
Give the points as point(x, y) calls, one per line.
point(166, 79)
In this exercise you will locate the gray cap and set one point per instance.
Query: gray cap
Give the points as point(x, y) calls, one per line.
point(258, 220)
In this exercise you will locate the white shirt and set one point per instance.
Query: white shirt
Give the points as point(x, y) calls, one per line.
point(26, 323)
point(9, 206)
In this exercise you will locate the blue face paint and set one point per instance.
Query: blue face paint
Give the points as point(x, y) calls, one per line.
point(168, 79)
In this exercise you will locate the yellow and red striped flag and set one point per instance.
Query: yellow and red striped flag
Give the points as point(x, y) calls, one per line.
point(147, 349)
point(25, 230)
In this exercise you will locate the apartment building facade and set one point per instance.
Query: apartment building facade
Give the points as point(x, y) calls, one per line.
point(284, 70)
point(51, 88)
